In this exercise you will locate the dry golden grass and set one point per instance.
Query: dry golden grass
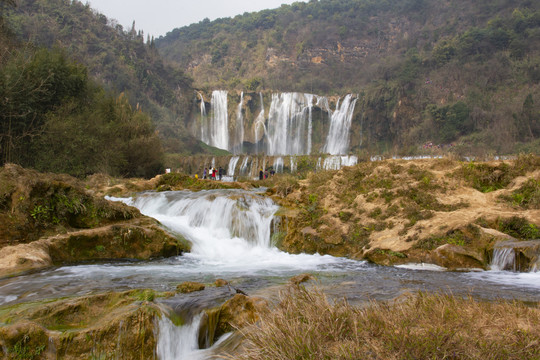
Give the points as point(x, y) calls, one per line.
point(307, 325)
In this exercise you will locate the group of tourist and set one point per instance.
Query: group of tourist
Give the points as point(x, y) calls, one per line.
point(213, 173)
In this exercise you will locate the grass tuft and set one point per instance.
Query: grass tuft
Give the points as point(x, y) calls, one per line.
point(307, 325)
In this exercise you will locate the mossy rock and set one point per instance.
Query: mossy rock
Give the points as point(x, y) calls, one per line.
point(109, 325)
point(189, 287)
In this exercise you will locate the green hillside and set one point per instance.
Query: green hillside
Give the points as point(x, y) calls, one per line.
point(122, 60)
point(447, 72)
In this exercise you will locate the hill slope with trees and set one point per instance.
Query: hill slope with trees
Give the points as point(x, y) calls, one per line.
point(426, 71)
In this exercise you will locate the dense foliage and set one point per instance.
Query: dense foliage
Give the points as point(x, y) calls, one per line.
point(442, 72)
point(122, 60)
point(54, 118)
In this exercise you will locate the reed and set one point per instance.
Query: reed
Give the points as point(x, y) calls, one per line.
point(307, 325)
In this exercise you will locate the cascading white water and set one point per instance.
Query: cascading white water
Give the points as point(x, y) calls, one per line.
point(244, 166)
point(332, 163)
point(259, 126)
point(239, 126)
point(218, 124)
point(503, 259)
point(229, 229)
point(337, 141)
point(337, 162)
point(232, 165)
point(309, 101)
point(349, 160)
point(288, 130)
point(178, 342)
point(204, 121)
point(293, 164)
point(278, 165)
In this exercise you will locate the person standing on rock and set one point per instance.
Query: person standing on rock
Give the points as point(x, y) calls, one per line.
point(261, 174)
point(220, 172)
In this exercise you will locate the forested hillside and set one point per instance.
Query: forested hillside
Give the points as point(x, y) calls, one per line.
point(122, 60)
point(443, 72)
point(56, 117)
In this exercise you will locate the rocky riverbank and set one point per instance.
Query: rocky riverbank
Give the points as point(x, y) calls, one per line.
point(439, 211)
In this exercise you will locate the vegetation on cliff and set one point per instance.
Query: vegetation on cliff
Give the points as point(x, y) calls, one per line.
point(436, 72)
point(397, 211)
point(48, 219)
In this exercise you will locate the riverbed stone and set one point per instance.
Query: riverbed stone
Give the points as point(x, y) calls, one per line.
point(455, 257)
point(141, 239)
point(238, 312)
point(108, 326)
point(221, 283)
point(189, 286)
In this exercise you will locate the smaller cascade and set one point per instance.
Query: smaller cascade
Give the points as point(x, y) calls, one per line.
point(309, 100)
point(332, 163)
point(178, 342)
point(204, 125)
point(278, 165)
point(503, 259)
point(259, 126)
point(523, 256)
point(239, 126)
point(203, 106)
point(232, 165)
point(349, 160)
point(319, 166)
point(294, 165)
point(337, 141)
point(244, 167)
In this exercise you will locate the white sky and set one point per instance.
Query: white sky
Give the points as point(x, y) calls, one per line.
point(157, 17)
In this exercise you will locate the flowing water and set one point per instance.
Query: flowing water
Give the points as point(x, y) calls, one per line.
point(337, 141)
point(231, 232)
point(215, 130)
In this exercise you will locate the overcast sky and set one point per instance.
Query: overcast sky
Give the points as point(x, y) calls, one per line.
point(158, 17)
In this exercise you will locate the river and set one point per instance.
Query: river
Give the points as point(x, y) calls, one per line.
point(231, 235)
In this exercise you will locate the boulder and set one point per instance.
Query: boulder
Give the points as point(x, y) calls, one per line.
point(238, 312)
point(454, 257)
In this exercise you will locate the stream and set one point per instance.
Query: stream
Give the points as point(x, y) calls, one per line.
point(231, 235)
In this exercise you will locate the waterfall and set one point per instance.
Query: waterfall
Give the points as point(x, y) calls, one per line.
point(218, 127)
point(178, 342)
point(337, 141)
point(239, 126)
point(204, 125)
point(287, 131)
point(503, 259)
point(521, 256)
point(232, 165)
point(259, 125)
point(244, 166)
point(332, 163)
point(349, 160)
point(293, 165)
point(223, 226)
point(309, 100)
point(278, 165)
